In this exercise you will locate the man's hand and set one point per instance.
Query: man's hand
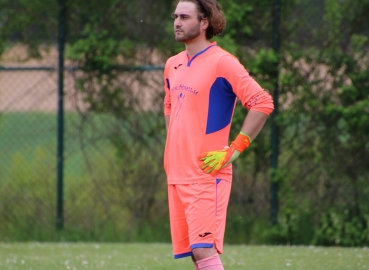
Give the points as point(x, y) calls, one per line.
point(212, 162)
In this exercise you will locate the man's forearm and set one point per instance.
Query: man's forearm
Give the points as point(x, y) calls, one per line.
point(212, 162)
point(253, 123)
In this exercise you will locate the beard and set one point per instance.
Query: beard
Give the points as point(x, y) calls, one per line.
point(192, 33)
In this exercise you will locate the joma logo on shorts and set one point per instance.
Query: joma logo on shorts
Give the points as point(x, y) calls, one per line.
point(204, 234)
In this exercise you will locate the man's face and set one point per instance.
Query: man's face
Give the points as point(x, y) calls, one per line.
point(186, 24)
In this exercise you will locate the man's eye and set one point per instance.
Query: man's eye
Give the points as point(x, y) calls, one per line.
point(182, 17)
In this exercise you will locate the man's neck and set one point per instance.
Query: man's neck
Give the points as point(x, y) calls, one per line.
point(195, 47)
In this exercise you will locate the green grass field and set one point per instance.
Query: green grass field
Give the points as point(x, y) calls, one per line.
point(23, 133)
point(42, 256)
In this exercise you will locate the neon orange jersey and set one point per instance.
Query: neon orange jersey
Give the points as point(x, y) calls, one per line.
point(200, 97)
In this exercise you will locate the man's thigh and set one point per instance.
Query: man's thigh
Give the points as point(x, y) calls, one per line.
point(178, 224)
point(197, 215)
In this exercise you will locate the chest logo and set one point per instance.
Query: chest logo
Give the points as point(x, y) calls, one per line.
point(180, 99)
point(177, 66)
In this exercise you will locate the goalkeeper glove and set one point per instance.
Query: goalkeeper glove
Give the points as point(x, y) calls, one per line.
point(212, 162)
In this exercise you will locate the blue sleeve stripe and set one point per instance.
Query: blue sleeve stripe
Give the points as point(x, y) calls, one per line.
point(168, 84)
point(221, 105)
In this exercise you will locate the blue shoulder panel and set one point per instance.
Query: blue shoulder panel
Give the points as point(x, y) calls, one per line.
point(168, 84)
point(221, 105)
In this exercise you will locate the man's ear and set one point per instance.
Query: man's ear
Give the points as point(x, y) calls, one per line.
point(205, 23)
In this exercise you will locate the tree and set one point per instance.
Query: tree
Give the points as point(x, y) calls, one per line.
point(323, 102)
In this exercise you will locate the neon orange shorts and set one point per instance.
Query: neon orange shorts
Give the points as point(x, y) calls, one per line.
point(198, 216)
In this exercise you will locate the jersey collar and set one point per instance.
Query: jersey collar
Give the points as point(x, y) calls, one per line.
point(199, 53)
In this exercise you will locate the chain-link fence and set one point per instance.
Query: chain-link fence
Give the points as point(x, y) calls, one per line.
point(109, 181)
point(114, 185)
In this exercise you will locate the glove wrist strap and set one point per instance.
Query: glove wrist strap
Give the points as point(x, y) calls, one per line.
point(241, 142)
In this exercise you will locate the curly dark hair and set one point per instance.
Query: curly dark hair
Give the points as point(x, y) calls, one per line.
point(211, 10)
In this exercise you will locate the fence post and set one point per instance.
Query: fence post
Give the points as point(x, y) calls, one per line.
point(60, 117)
point(275, 138)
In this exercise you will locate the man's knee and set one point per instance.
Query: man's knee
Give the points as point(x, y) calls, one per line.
point(202, 253)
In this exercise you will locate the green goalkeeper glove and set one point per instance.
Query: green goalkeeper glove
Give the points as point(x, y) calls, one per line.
point(212, 162)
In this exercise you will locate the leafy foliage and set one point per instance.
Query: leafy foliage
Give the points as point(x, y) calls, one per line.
point(323, 96)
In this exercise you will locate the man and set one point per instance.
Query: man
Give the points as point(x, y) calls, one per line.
point(202, 84)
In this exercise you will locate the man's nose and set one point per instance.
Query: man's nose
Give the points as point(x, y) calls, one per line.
point(177, 23)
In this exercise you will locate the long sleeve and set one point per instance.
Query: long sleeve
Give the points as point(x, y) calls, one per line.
point(249, 92)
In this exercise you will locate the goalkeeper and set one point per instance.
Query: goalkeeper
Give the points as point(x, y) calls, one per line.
point(202, 84)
